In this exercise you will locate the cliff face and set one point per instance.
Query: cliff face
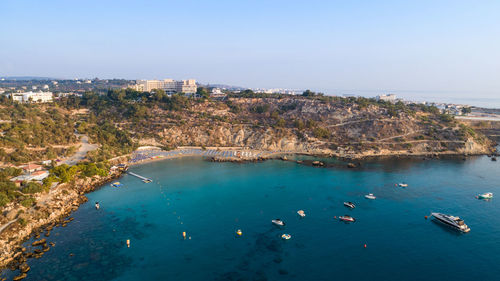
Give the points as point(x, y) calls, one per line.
point(313, 126)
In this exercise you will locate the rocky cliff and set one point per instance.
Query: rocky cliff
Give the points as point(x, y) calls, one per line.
point(334, 126)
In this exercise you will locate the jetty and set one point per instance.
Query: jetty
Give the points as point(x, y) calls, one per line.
point(144, 179)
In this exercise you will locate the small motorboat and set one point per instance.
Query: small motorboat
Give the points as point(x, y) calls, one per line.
point(402, 184)
point(147, 181)
point(278, 222)
point(347, 218)
point(370, 196)
point(116, 184)
point(349, 205)
point(487, 195)
point(286, 236)
point(239, 232)
point(452, 221)
point(301, 213)
point(97, 206)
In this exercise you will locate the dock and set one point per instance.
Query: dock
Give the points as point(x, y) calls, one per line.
point(139, 176)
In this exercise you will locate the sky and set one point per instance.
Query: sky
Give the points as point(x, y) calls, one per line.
point(438, 47)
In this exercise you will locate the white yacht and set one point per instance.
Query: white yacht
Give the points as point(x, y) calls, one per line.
point(370, 196)
point(349, 205)
point(278, 222)
point(452, 221)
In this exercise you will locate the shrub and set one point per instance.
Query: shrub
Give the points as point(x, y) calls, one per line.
point(28, 202)
point(32, 187)
point(320, 133)
point(4, 199)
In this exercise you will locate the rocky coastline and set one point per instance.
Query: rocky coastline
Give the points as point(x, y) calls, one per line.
point(52, 210)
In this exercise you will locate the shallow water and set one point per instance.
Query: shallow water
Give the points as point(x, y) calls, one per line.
point(210, 201)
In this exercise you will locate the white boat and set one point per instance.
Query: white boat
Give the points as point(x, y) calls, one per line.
point(401, 184)
point(301, 213)
point(370, 196)
point(349, 205)
point(239, 232)
point(347, 218)
point(278, 222)
point(487, 195)
point(452, 221)
point(286, 236)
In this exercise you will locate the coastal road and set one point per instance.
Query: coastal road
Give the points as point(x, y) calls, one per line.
point(85, 147)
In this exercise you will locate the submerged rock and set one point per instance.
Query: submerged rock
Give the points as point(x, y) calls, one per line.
point(20, 277)
point(39, 242)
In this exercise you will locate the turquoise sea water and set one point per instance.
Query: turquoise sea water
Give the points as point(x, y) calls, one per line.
point(210, 201)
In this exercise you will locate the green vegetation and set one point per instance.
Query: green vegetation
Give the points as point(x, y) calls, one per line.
point(28, 202)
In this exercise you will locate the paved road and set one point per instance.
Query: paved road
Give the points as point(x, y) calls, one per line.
point(82, 151)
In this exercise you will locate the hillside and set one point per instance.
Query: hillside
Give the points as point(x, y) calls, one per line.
point(353, 127)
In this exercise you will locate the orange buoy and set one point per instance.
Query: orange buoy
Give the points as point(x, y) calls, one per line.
point(128, 243)
point(184, 234)
point(365, 245)
point(425, 217)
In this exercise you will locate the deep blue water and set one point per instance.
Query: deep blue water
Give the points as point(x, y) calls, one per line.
point(210, 201)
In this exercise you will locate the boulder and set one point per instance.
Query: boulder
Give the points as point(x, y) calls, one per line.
point(20, 277)
point(351, 165)
point(12, 214)
point(39, 242)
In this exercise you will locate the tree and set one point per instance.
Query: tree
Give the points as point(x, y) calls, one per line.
point(202, 92)
point(4, 199)
point(466, 110)
point(308, 93)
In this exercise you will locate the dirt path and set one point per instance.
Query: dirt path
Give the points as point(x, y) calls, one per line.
point(7, 225)
point(82, 151)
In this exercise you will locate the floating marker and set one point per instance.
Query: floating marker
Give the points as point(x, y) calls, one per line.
point(184, 234)
point(128, 243)
point(365, 245)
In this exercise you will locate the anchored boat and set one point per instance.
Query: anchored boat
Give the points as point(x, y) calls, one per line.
point(347, 218)
point(370, 196)
point(349, 205)
point(301, 213)
point(286, 236)
point(487, 195)
point(278, 222)
point(402, 184)
point(452, 221)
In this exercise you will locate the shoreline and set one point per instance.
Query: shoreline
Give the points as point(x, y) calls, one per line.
point(65, 202)
point(318, 154)
point(15, 256)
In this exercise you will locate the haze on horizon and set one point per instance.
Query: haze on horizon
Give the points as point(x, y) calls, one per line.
point(447, 47)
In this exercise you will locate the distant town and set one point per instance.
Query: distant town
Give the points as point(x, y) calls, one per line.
point(44, 90)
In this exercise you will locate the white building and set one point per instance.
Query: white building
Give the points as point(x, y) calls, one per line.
point(217, 93)
point(168, 85)
point(32, 97)
point(389, 97)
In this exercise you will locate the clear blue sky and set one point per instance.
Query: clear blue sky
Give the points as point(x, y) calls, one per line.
point(450, 46)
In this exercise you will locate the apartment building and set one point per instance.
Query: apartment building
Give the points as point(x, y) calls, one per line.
point(168, 85)
point(32, 97)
